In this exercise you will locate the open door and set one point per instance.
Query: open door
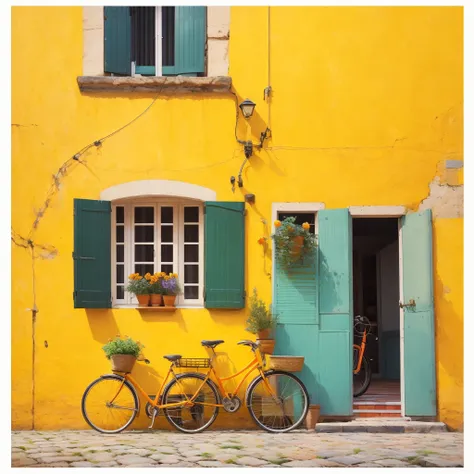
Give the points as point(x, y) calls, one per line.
point(418, 315)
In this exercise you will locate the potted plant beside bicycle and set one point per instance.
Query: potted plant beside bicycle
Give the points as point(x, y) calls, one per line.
point(171, 288)
point(292, 241)
point(140, 287)
point(262, 322)
point(123, 353)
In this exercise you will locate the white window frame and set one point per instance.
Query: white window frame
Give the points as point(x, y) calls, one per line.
point(158, 43)
point(178, 242)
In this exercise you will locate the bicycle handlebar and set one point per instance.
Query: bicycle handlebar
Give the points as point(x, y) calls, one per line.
point(247, 342)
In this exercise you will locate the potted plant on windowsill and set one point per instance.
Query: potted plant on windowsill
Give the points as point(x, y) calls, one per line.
point(262, 322)
point(171, 288)
point(123, 353)
point(156, 289)
point(140, 287)
point(292, 241)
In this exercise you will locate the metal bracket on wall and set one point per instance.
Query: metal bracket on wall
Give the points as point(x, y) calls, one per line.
point(410, 303)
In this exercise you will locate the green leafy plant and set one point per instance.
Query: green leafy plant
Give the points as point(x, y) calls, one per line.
point(138, 285)
point(260, 317)
point(287, 237)
point(121, 345)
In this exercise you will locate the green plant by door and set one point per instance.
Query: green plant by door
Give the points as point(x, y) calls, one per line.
point(292, 241)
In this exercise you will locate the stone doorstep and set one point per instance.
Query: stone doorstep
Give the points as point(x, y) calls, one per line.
point(381, 425)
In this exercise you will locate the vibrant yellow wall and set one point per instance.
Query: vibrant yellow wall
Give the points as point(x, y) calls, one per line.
point(367, 102)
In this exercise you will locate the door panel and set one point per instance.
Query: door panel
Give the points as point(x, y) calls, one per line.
point(334, 354)
point(418, 347)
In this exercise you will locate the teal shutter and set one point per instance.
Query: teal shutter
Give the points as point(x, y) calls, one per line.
point(334, 375)
point(418, 345)
point(224, 254)
point(117, 40)
point(190, 42)
point(92, 250)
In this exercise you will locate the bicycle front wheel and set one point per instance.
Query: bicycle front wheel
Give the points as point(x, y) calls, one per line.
point(198, 415)
point(109, 404)
point(279, 402)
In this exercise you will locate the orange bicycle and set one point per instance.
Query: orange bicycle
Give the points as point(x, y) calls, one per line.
point(362, 373)
point(277, 400)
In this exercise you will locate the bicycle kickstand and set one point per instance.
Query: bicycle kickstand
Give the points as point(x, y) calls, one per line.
point(155, 411)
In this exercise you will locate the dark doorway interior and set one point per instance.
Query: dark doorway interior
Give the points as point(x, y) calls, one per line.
point(376, 295)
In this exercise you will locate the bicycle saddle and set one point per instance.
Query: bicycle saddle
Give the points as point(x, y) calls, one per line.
point(212, 344)
point(172, 358)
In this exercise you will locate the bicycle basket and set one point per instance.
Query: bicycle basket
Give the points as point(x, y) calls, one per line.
point(197, 363)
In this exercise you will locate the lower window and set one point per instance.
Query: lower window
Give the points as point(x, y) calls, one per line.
point(163, 236)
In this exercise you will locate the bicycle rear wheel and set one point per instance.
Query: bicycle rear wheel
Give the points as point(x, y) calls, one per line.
point(201, 413)
point(361, 380)
point(109, 404)
point(285, 408)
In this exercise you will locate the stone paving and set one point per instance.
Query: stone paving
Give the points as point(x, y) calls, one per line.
point(299, 448)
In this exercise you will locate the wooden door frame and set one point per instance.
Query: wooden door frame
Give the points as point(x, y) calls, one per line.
point(398, 212)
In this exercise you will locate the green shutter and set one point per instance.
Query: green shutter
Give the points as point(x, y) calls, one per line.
point(190, 42)
point(92, 262)
point(117, 40)
point(224, 254)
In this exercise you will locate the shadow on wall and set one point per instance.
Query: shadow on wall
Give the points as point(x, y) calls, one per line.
point(102, 324)
point(329, 298)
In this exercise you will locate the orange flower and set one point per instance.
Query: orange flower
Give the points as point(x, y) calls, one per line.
point(277, 223)
point(261, 240)
point(147, 276)
point(305, 226)
point(290, 229)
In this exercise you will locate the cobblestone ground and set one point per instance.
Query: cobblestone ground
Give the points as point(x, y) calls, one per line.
point(235, 449)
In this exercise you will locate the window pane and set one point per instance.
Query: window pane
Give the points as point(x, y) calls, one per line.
point(301, 217)
point(144, 253)
point(120, 294)
point(167, 215)
point(167, 268)
point(120, 274)
point(191, 274)
point(119, 253)
point(166, 253)
point(143, 268)
point(167, 233)
point(191, 253)
point(191, 233)
point(119, 215)
point(119, 233)
point(144, 215)
point(191, 292)
point(144, 233)
point(191, 214)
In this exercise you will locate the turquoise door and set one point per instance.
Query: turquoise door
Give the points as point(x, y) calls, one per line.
point(418, 342)
point(334, 375)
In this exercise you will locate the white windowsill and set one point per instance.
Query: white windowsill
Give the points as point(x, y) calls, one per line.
point(148, 308)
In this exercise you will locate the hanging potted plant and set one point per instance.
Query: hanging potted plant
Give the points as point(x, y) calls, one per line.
point(156, 289)
point(140, 287)
point(262, 323)
point(292, 241)
point(123, 353)
point(171, 288)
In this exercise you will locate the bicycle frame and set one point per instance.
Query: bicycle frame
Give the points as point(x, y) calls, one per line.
point(361, 350)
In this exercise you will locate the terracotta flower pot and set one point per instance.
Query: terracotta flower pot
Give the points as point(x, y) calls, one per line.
point(156, 299)
point(264, 334)
point(297, 248)
point(169, 300)
point(312, 417)
point(267, 346)
point(143, 300)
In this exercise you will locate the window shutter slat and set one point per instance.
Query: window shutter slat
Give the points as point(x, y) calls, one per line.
point(92, 254)
point(224, 254)
point(190, 40)
point(117, 40)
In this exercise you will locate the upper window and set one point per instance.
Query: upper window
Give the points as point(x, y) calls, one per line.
point(155, 41)
point(164, 236)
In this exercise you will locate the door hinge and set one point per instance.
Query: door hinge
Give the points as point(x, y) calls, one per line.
point(74, 294)
point(244, 295)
